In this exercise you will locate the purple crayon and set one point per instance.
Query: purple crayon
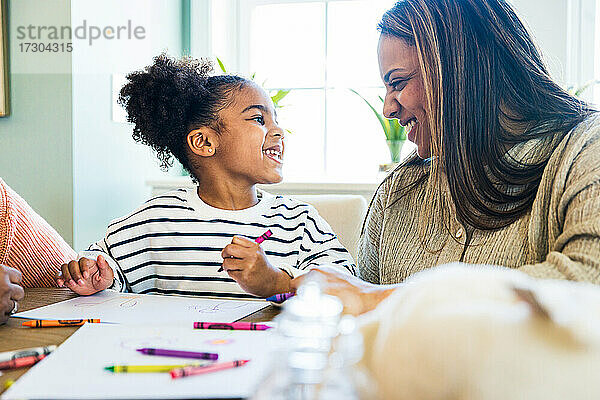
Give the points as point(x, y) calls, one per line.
point(179, 353)
point(281, 297)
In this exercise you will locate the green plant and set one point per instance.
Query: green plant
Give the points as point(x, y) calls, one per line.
point(578, 91)
point(391, 127)
point(276, 97)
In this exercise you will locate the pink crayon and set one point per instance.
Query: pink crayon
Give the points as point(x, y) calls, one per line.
point(190, 371)
point(232, 326)
point(264, 236)
point(258, 240)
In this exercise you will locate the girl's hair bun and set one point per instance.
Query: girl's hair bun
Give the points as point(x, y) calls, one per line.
point(160, 101)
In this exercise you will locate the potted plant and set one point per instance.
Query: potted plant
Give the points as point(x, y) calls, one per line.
point(395, 134)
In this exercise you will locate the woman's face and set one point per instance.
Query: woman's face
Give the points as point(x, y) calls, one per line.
point(405, 96)
point(251, 149)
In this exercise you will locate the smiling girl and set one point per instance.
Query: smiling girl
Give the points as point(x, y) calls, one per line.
point(224, 131)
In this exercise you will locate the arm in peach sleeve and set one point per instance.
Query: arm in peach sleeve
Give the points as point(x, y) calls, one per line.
point(28, 243)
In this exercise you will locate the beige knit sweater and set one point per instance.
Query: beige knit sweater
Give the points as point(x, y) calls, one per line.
point(558, 238)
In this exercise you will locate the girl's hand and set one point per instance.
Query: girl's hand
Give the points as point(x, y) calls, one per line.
point(357, 296)
point(86, 276)
point(246, 263)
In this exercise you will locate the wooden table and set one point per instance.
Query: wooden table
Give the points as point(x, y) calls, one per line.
point(14, 336)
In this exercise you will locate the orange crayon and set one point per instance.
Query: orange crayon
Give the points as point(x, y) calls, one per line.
point(21, 362)
point(49, 323)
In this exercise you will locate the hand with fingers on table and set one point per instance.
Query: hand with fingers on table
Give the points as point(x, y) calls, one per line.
point(10, 291)
point(86, 276)
point(246, 263)
point(356, 295)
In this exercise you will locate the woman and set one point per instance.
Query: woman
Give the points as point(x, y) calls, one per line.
point(28, 243)
point(10, 292)
point(507, 170)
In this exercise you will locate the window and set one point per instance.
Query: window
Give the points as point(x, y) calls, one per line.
point(319, 50)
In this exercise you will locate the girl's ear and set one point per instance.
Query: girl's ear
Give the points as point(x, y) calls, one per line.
point(203, 142)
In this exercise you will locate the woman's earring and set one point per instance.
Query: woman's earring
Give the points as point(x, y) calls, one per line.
point(210, 150)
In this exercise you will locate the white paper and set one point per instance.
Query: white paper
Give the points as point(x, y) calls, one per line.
point(131, 308)
point(76, 369)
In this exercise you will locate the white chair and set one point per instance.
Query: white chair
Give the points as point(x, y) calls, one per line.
point(344, 213)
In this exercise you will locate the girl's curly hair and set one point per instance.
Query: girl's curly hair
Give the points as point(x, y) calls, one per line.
point(170, 98)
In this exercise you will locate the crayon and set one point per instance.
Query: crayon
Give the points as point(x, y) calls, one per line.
point(34, 351)
point(8, 384)
point(190, 371)
point(233, 326)
point(258, 240)
point(263, 237)
point(49, 323)
point(179, 353)
point(21, 362)
point(151, 368)
point(281, 297)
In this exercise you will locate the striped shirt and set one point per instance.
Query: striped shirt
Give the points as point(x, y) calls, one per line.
point(28, 243)
point(172, 244)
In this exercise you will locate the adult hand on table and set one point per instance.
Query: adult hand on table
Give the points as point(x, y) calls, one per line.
point(86, 276)
point(10, 291)
point(357, 296)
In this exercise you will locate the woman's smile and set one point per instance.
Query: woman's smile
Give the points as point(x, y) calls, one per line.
point(274, 153)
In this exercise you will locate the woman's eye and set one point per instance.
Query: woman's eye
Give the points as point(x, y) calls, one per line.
point(398, 84)
point(260, 119)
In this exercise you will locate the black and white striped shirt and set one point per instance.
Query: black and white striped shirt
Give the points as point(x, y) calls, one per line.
point(172, 244)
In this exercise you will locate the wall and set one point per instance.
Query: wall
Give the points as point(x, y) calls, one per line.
point(565, 32)
point(35, 140)
point(110, 169)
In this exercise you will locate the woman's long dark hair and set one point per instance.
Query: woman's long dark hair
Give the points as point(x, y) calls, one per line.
point(486, 89)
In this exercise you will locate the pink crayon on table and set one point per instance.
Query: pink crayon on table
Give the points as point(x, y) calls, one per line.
point(232, 326)
point(190, 371)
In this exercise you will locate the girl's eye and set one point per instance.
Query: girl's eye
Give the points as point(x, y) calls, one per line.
point(260, 119)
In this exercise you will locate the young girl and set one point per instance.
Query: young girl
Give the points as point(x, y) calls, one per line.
point(224, 131)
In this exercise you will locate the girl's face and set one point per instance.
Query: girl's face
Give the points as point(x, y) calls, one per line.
point(405, 96)
point(251, 148)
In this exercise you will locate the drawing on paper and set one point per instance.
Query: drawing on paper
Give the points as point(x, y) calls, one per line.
point(131, 302)
point(157, 341)
point(219, 342)
point(215, 308)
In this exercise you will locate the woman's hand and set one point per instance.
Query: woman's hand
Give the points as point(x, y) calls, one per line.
point(86, 276)
point(10, 291)
point(357, 295)
point(246, 263)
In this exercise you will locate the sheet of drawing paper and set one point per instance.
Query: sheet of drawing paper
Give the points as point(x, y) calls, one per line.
point(115, 307)
point(76, 369)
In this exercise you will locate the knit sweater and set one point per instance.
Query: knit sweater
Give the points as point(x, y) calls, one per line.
point(558, 238)
point(28, 243)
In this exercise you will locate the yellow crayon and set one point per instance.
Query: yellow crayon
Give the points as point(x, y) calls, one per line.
point(150, 368)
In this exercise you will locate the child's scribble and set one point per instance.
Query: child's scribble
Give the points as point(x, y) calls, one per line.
point(156, 341)
point(219, 342)
point(214, 308)
point(91, 302)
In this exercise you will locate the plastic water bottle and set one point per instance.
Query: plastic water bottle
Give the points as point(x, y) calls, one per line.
point(315, 350)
